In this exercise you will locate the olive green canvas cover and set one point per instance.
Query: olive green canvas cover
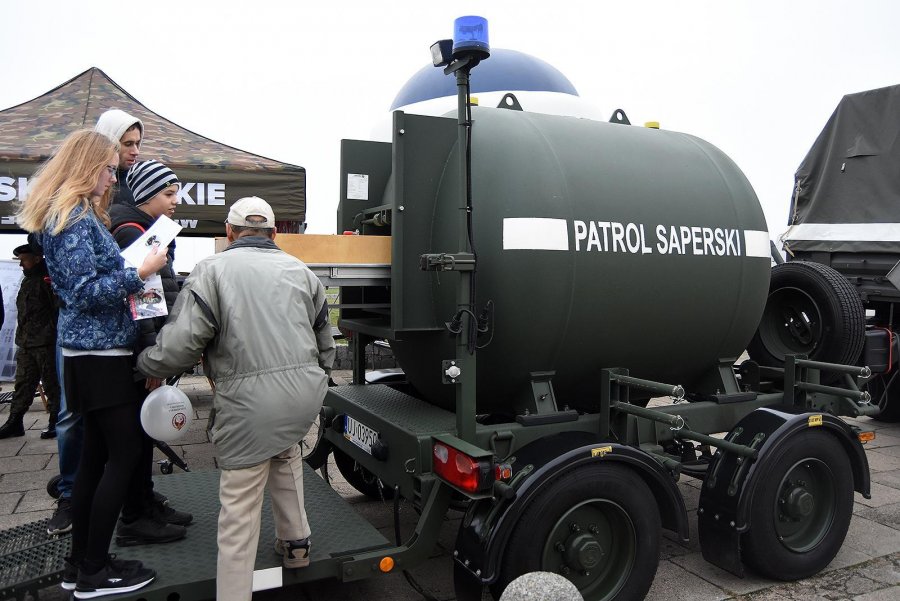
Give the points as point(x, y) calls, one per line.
point(847, 190)
point(213, 175)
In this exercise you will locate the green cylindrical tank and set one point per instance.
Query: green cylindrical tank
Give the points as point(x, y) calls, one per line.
point(600, 245)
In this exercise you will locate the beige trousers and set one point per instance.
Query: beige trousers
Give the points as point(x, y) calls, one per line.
point(241, 496)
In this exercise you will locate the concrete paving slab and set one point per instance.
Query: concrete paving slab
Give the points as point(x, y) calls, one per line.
point(25, 463)
point(9, 501)
point(17, 519)
point(695, 564)
point(36, 500)
point(840, 584)
point(872, 538)
point(669, 548)
point(846, 557)
point(674, 583)
point(22, 481)
point(885, 594)
point(691, 496)
point(892, 451)
point(771, 595)
point(199, 457)
point(881, 495)
point(891, 478)
point(10, 447)
point(883, 439)
point(883, 460)
point(885, 570)
point(39, 446)
point(887, 515)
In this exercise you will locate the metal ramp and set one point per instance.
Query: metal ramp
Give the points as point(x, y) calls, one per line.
point(30, 559)
point(186, 569)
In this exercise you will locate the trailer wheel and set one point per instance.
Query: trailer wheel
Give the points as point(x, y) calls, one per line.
point(812, 310)
point(885, 391)
point(360, 478)
point(800, 514)
point(597, 525)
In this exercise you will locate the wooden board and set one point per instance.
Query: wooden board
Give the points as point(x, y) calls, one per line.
point(331, 249)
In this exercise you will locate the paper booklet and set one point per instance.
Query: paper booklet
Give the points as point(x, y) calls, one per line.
point(150, 301)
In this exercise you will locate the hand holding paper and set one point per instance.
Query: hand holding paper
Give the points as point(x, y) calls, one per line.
point(149, 252)
point(162, 231)
point(153, 262)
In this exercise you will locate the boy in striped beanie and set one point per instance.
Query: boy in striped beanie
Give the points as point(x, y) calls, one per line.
point(147, 179)
point(145, 519)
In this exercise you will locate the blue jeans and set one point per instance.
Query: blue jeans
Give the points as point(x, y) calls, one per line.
point(69, 434)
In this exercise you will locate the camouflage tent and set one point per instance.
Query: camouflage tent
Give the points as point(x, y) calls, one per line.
point(214, 175)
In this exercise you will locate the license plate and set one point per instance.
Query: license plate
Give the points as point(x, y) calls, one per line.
point(359, 434)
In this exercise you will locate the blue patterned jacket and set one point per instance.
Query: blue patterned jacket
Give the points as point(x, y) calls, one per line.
point(90, 278)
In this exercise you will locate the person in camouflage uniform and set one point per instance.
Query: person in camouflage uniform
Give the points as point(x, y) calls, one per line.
point(36, 339)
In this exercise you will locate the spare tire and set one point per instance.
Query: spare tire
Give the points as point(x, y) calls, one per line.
point(811, 310)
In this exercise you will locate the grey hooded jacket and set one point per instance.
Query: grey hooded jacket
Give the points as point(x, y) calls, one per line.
point(261, 318)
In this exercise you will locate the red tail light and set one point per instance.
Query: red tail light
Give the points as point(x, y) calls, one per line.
point(462, 471)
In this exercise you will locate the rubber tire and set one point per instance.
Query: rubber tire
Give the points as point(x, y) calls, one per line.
point(601, 480)
point(842, 314)
point(53, 486)
point(890, 404)
point(761, 548)
point(360, 478)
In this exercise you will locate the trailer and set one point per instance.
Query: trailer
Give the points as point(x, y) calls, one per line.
point(835, 298)
point(548, 277)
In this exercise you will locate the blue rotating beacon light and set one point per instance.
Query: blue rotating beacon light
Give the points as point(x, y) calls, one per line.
point(470, 37)
point(468, 47)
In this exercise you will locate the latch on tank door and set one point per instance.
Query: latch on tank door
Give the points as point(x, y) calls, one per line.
point(447, 262)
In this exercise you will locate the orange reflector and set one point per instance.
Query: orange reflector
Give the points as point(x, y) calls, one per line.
point(386, 564)
point(865, 437)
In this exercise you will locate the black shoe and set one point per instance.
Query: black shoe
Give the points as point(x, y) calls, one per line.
point(147, 531)
point(61, 521)
point(123, 565)
point(48, 432)
point(168, 514)
point(70, 574)
point(12, 427)
point(70, 569)
point(115, 577)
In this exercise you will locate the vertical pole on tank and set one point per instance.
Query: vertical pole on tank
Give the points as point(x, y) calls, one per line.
point(465, 389)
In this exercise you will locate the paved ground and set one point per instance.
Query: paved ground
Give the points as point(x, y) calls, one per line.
point(866, 569)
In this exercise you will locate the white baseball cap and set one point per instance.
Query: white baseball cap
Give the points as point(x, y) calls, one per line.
point(252, 205)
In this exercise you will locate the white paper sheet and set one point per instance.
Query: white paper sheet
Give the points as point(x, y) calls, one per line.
point(163, 231)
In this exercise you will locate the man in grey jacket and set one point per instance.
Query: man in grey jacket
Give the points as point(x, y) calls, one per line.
point(260, 318)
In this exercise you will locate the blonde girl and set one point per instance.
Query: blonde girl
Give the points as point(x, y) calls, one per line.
point(66, 206)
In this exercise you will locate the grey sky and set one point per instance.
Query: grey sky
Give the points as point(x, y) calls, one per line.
point(288, 80)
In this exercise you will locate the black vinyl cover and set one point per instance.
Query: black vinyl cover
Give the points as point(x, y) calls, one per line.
point(851, 175)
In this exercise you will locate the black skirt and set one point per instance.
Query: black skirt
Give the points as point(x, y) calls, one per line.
point(99, 381)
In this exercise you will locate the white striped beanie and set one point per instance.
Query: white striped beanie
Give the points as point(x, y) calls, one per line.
point(147, 179)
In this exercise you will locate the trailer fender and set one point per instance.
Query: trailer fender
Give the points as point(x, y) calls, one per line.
point(488, 523)
point(731, 481)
